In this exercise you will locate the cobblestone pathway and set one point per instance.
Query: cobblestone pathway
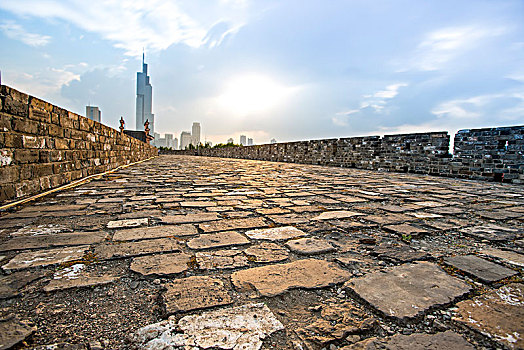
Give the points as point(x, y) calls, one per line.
point(190, 253)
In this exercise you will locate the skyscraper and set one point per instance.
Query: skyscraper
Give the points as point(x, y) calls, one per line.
point(94, 113)
point(243, 140)
point(185, 139)
point(144, 100)
point(250, 142)
point(195, 134)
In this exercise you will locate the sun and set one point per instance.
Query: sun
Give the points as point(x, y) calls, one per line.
point(252, 93)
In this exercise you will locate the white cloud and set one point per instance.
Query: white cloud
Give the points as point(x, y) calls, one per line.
point(446, 44)
point(15, 31)
point(132, 25)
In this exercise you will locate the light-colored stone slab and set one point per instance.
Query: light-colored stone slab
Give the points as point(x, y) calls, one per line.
point(198, 204)
point(271, 280)
point(189, 218)
point(275, 233)
point(46, 257)
point(266, 252)
point(491, 232)
point(498, 314)
point(221, 259)
point(128, 249)
point(55, 240)
point(239, 328)
point(13, 331)
point(408, 290)
point(216, 240)
point(506, 256)
point(405, 229)
point(308, 246)
point(232, 224)
point(128, 223)
point(337, 214)
point(135, 234)
point(417, 341)
point(161, 264)
point(75, 277)
point(196, 292)
point(482, 269)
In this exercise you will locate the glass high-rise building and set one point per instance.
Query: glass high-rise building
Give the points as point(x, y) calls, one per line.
point(144, 100)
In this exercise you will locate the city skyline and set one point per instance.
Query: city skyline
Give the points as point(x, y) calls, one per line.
point(272, 70)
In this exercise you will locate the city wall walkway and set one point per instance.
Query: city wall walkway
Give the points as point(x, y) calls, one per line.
point(184, 252)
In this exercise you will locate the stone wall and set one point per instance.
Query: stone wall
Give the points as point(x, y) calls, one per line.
point(481, 154)
point(43, 146)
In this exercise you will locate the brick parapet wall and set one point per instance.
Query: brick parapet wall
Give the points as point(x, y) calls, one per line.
point(43, 146)
point(478, 153)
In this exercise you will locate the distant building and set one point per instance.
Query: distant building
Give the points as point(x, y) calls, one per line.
point(243, 140)
point(195, 134)
point(175, 143)
point(185, 139)
point(144, 100)
point(230, 140)
point(273, 141)
point(250, 142)
point(94, 113)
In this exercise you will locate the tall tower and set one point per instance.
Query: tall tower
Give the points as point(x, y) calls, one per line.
point(195, 134)
point(144, 99)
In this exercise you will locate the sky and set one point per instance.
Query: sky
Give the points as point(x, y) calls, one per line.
point(289, 69)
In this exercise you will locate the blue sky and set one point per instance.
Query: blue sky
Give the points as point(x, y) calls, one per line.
point(290, 70)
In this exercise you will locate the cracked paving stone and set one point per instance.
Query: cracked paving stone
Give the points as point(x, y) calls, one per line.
point(270, 211)
point(232, 224)
point(267, 252)
point(337, 214)
point(193, 293)
point(308, 246)
point(13, 331)
point(399, 253)
point(500, 215)
point(484, 270)
point(289, 219)
point(242, 327)
point(116, 250)
point(161, 264)
point(216, 240)
point(275, 233)
point(506, 256)
point(10, 285)
point(499, 314)
point(135, 234)
point(189, 218)
point(198, 204)
point(45, 257)
point(405, 229)
point(75, 277)
point(388, 219)
point(128, 223)
point(491, 232)
point(54, 240)
point(271, 280)
point(221, 259)
point(408, 290)
point(416, 341)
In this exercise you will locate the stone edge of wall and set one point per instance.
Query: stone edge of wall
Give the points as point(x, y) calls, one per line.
point(43, 146)
point(489, 154)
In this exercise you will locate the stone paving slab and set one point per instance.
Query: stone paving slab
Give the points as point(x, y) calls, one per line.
point(216, 240)
point(491, 232)
point(271, 280)
point(214, 329)
point(118, 250)
point(135, 234)
point(193, 293)
point(337, 214)
point(221, 259)
point(482, 269)
point(11, 285)
point(161, 264)
point(498, 314)
point(55, 240)
point(405, 229)
point(232, 224)
point(399, 253)
point(506, 256)
point(309, 246)
point(70, 278)
point(266, 252)
point(439, 341)
point(45, 257)
point(189, 218)
point(13, 331)
point(408, 290)
point(128, 223)
point(276, 233)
